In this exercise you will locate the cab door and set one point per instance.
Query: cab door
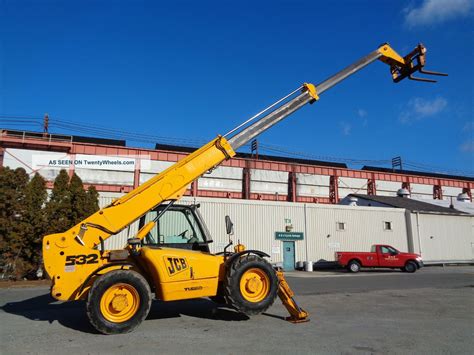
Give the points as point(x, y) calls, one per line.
point(182, 274)
point(173, 252)
point(175, 243)
point(389, 257)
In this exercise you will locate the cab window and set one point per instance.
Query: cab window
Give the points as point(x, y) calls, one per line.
point(174, 227)
point(392, 250)
point(388, 250)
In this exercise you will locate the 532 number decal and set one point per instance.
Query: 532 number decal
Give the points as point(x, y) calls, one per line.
point(82, 259)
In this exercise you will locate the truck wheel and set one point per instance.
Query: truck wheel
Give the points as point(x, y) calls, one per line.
point(410, 267)
point(118, 302)
point(353, 266)
point(251, 285)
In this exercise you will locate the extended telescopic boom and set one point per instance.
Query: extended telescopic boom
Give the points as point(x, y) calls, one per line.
point(171, 184)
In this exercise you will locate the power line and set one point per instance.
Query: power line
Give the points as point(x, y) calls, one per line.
point(106, 131)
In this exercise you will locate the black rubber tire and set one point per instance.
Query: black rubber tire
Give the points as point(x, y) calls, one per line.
point(101, 285)
point(410, 267)
point(232, 292)
point(353, 266)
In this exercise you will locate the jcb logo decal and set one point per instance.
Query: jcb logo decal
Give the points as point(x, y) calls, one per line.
point(175, 265)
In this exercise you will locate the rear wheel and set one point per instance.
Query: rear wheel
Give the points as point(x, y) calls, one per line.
point(410, 267)
point(118, 302)
point(353, 266)
point(251, 285)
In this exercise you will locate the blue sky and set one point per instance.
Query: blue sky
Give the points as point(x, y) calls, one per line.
point(190, 70)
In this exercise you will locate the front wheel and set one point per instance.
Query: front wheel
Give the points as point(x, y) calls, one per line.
point(118, 302)
point(410, 267)
point(251, 285)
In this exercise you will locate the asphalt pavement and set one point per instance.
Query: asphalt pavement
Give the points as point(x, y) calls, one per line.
point(373, 312)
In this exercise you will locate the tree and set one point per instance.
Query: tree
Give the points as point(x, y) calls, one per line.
point(83, 203)
point(78, 199)
point(92, 201)
point(13, 225)
point(26, 215)
point(35, 219)
point(58, 208)
point(70, 203)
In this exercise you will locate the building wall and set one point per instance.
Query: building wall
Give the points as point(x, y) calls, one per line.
point(268, 180)
point(364, 226)
point(255, 224)
point(443, 238)
point(438, 238)
point(310, 185)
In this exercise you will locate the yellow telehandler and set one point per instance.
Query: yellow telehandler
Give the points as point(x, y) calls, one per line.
point(169, 257)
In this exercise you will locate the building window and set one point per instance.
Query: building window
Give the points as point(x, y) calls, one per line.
point(387, 226)
point(340, 226)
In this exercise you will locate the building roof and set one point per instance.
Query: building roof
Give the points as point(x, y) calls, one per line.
point(182, 149)
point(419, 173)
point(462, 206)
point(409, 204)
point(67, 138)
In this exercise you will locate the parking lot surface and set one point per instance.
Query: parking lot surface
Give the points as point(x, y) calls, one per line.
point(373, 312)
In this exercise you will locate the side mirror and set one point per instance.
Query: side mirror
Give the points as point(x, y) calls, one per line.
point(229, 226)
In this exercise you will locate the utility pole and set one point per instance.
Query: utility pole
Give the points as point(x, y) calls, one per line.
point(397, 161)
point(45, 124)
point(254, 147)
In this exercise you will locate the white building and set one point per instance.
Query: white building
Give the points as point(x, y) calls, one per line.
point(295, 232)
point(440, 234)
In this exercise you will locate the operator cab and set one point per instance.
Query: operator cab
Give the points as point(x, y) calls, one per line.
point(180, 226)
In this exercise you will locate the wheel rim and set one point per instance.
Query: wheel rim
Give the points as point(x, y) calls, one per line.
point(254, 285)
point(119, 303)
point(355, 267)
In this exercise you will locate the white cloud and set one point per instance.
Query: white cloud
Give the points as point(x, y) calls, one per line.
point(361, 112)
point(469, 126)
point(418, 108)
point(467, 147)
point(428, 108)
point(363, 115)
point(345, 128)
point(432, 12)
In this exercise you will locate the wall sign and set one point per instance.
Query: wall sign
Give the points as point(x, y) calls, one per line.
point(289, 236)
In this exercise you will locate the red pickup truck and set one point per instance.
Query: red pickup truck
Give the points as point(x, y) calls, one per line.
point(380, 256)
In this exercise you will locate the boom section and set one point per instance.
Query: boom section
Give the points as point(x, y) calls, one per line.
point(400, 68)
point(170, 184)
